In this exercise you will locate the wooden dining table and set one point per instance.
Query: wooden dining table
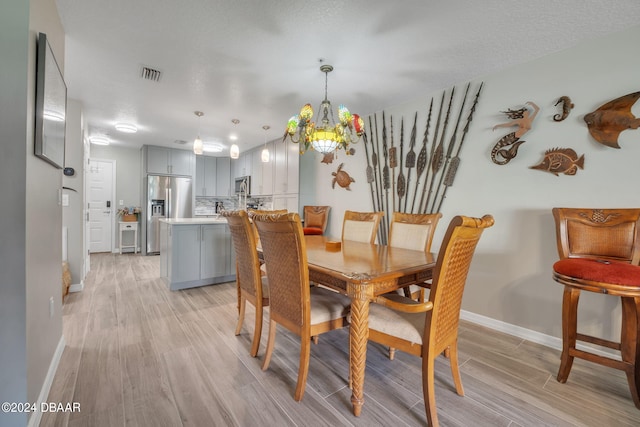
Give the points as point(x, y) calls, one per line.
point(363, 271)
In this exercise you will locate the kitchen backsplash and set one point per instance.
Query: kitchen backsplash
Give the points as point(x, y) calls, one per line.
point(207, 205)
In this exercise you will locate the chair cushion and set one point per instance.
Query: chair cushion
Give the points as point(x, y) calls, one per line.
point(327, 305)
point(312, 231)
point(615, 272)
point(407, 326)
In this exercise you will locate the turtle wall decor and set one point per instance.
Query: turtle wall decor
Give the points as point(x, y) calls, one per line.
point(342, 178)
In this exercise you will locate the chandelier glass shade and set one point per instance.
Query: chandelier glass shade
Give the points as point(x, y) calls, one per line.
point(325, 136)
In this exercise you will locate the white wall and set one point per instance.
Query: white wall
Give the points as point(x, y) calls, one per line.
point(44, 221)
point(510, 280)
point(73, 214)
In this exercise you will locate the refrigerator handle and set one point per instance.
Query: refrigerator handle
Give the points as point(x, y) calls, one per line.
point(167, 198)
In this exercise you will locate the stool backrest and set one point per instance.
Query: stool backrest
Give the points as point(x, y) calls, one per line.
point(610, 234)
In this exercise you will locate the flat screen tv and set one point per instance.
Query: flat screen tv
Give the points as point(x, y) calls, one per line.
point(51, 106)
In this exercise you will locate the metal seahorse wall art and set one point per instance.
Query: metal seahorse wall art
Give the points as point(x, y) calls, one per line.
point(507, 147)
point(567, 106)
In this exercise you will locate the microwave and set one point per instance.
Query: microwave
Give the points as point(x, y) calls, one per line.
point(243, 185)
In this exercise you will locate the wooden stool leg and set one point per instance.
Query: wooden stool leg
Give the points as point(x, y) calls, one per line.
point(629, 344)
point(569, 333)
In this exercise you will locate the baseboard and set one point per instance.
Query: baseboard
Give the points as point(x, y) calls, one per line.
point(78, 287)
point(529, 335)
point(34, 420)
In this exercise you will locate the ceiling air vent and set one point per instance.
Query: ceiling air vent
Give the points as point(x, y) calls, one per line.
point(180, 141)
point(150, 74)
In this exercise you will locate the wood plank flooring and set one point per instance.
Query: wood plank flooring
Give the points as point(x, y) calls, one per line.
point(138, 354)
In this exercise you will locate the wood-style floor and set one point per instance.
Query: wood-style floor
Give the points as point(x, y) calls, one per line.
point(138, 354)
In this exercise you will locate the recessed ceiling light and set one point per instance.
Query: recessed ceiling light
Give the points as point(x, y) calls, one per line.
point(126, 128)
point(233, 137)
point(99, 140)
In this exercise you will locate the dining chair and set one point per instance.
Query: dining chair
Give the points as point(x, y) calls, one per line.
point(315, 219)
point(304, 310)
point(361, 226)
point(415, 232)
point(252, 213)
point(429, 328)
point(599, 251)
point(251, 284)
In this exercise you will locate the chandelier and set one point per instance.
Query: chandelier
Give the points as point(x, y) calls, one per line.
point(325, 136)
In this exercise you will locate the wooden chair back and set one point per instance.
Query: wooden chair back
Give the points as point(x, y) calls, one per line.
point(253, 212)
point(449, 279)
point(413, 231)
point(610, 234)
point(316, 217)
point(361, 226)
point(285, 254)
point(244, 244)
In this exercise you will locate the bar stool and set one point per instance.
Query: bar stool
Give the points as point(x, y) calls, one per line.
point(599, 252)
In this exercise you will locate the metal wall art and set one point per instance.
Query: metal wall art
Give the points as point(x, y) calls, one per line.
point(342, 178)
point(507, 148)
point(390, 170)
point(606, 123)
point(560, 160)
point(567, 106)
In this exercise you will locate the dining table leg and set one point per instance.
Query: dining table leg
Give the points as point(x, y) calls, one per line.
point(360, 295)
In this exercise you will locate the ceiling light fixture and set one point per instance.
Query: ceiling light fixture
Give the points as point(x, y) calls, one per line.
point(213, 148)
point(325, 136)
point(126, 128)
point(197, 143)
point(234, 151)
point(265, 152)
point(99, 140)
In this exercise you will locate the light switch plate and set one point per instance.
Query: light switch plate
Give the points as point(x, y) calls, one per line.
point(65, 199)
point(121, 202)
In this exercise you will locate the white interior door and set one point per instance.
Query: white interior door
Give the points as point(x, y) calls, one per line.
point(101, 205)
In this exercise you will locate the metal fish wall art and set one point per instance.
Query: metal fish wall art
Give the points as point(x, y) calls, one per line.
point(606, 123)
point(560, 160)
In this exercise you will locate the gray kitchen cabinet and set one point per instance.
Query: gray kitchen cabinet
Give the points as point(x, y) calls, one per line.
point(168, 161)
point(206, 176)
point(197, 253)
point(286, 168)
point(214, 261)
point(223, 176)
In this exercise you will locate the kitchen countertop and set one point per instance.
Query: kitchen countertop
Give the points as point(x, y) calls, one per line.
point(192, 221)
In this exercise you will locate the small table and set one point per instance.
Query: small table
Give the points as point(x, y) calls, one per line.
point(129, 226)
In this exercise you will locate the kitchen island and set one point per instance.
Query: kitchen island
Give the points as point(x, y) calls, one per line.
point(195, 252)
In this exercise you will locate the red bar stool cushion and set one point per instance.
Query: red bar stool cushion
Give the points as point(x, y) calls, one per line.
point(620, 273)
point(312, 231)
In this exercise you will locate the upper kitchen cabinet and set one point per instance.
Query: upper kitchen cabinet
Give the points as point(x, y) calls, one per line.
point(168, 161)
point(242, 165)
point(223, 176)
point(206, 176)
point(286, 166)
point(262, 176)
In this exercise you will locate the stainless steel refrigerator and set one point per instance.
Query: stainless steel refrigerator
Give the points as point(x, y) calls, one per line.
point(167, 197)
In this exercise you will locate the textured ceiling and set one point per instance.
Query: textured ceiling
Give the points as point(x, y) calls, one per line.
point(258, 61)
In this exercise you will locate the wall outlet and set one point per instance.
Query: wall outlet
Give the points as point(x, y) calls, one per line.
point(121, 202)
point(51, 307)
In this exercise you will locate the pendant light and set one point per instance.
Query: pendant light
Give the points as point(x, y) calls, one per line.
point(198, 147)
point(265, 151)
point(234, 151)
